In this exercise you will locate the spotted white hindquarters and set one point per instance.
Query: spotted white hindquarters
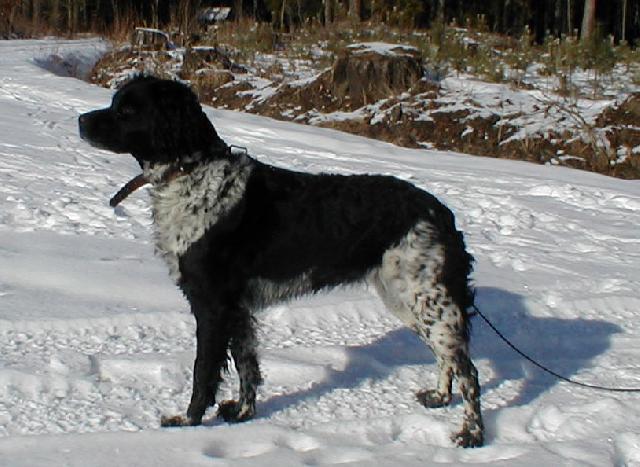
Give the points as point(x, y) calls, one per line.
point(409, 282)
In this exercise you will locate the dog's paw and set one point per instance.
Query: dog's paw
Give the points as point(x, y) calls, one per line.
point(432, 399)
point(233, 412)
point(469, 437)
point(175, 420)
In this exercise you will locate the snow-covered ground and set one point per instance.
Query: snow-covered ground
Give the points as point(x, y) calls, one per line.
point(96, 343)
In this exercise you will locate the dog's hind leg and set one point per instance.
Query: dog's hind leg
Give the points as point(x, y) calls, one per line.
point(411, 282)
point(245, 356)
point(451, 349)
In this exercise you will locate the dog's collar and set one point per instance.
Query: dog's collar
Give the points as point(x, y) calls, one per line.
point(132, 185)
point(141, 180)
point(169, 175)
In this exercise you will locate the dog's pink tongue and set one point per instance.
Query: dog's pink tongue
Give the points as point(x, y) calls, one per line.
point(131, 186)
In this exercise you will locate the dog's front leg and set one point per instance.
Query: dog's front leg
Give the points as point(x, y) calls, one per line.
point(211, 358)
point(245, 356)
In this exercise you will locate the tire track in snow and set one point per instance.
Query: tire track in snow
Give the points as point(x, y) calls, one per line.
point(87, 365)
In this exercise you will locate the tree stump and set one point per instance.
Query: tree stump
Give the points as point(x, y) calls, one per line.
point(365, 73)
point(362, 74)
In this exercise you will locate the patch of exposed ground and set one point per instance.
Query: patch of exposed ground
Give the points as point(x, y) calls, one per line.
point(383, 91)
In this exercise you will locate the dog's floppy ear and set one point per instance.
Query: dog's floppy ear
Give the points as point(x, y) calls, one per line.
point(181, 128)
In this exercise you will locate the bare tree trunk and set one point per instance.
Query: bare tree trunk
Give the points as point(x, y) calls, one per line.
point(441, 11)
point(588, 19)
point(69, 16)
point(85, 15)
point(328, 12)
point(237, 9)
point(355, 10)
point(557, 18)
point(284, 6)
point(156, 9)
point(506, 17)
point(13, 12)
point(569, 22)
point(185, 7)
point(54, 15)
point(624, 21)
point(300, 15)
point(116, 16)
point(35, 17)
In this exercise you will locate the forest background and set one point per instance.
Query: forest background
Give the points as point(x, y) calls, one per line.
point(618, 20)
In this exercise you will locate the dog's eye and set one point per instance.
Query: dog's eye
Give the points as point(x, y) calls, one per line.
point(127, 111)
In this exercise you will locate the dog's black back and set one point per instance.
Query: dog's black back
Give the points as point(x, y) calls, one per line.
point(334, 228)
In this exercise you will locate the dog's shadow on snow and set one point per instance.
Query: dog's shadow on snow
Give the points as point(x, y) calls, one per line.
point(566, 346)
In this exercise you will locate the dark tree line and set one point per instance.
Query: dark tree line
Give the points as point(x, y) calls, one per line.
point(617, 18)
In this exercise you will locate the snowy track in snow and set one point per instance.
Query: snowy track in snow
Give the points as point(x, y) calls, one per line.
point(96, 343)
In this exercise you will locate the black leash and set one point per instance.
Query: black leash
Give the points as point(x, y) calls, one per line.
point(544, 368)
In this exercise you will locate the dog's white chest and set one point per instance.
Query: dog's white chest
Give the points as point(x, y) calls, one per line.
point(186, 207)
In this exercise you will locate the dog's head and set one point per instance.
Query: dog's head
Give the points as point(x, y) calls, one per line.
point(157, 121)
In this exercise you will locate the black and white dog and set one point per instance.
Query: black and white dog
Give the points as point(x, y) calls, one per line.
point(239, 235)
